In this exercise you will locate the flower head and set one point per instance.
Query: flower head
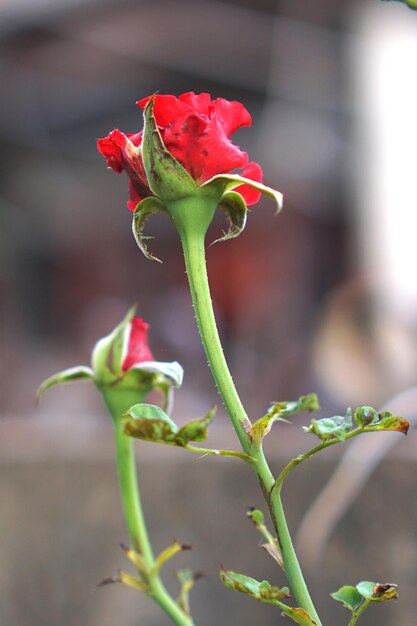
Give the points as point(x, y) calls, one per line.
point(183, 162)
point(196, 131)
point(122, 360)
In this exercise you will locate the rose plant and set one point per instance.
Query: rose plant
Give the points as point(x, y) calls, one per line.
point(183, 163)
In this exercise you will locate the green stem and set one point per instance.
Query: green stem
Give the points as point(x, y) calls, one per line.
point(231, 453)
point(192, 239)
point(303, 457)
point(359, 612)
point(130, 495)
point(118, 401)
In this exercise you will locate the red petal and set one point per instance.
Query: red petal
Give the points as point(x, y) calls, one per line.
point(136, 138)
point(167, 109)
point(251, 195)
point(111, 148)
point(196, 131)
point(231, 115)
point(134, 197)
point(121, 153)
point(138, 350)
point(198, 102)
point(217, 154)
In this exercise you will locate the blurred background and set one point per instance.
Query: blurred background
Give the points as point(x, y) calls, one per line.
point(321, 298)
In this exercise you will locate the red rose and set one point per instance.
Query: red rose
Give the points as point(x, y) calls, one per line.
point(138, 350)
point(196, 131)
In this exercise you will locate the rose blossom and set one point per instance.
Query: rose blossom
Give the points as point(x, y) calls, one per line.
point(196, 131)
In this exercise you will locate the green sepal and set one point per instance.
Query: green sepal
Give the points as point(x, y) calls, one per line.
point(279, 410)
point(166, 177)
point(233, 204)
point(262, 591)
point(142, 212)
point(151, 423)
point(72, 374)
point(223, 183)
point(107, 356)
point(327, 428)
point(161, 371)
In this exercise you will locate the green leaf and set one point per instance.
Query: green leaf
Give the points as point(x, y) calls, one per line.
point(370, 420)
point(349, 596)
point(72, 374)
point(266, 593)
point(327, 428)
point(301, 616)
point(143, 211)
point(151, 423)
point(262, 591)
point(233, 204)
point(195, 430)
point(366, 588)
point(357, 599)
point(166, 177)
point(377, 592)
point(226, 182)
point(390, 422)
point(262, 426)
point(307, 403)
point(277, 412)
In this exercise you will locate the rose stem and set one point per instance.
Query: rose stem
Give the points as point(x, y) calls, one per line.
point(193, 242)
point(118, 402)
